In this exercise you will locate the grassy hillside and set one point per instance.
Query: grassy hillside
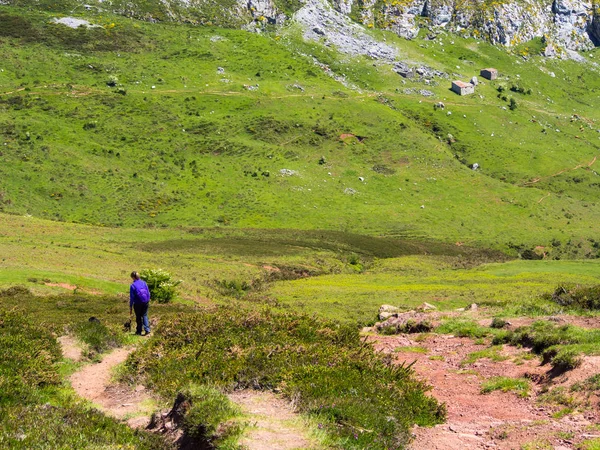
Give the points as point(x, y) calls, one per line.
point(134, 125)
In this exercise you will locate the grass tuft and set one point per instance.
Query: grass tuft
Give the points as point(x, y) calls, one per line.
point(520, 386)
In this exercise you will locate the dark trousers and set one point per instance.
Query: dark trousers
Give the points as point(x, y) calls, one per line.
point(141, 317)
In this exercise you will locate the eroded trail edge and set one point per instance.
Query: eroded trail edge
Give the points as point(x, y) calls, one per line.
point(273, 424)
point(93, 382)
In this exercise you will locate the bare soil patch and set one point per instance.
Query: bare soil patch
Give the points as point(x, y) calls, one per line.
point(274, 425)
point(93, 382)
point(498, 420)
point(70, 348)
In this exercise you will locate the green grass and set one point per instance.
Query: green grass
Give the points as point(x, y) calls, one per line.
point(560, 345)
point(520, 386)
point(493, 353)
point(463, 328)
point(71, 139)
point(410, 349)
point(589, 444)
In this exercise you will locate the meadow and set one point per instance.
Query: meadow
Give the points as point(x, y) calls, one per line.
point(291, 205)
point(155, 125)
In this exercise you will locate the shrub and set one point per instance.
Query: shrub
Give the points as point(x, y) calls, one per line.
point(28, 353)
point(584, 297)
point(237, 288)
point(566, 359)
point(209, 409)
point(15, 291)
point(322, 365)
point(97, 336)
point(161, 284)
point(497, 322)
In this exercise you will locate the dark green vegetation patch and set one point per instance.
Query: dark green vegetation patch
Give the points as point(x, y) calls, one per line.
point(36, 410)
point(360, 397)
point(582, 297)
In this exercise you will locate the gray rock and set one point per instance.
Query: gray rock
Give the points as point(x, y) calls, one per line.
point(387, 311)
point(427, 307)
point(337, 29)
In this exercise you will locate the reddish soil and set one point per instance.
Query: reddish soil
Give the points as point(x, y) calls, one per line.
point(93, 382)
point(496, 420)
point(62, 285)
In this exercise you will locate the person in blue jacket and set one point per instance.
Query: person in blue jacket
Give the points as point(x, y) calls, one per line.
point(139, 298)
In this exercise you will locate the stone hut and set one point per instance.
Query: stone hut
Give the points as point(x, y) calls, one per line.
point(462, 88)
point(490, 74)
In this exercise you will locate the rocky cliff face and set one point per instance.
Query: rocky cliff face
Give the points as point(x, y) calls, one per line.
point(572, 24)
point(566, 24)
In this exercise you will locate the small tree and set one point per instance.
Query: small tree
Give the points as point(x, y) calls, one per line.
point(513, 104)
point(161, 284)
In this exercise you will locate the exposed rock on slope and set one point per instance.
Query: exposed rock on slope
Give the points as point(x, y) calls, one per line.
point(567, 24)
point(321, 22)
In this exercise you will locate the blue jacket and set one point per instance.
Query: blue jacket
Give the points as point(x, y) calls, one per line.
point(138, 292)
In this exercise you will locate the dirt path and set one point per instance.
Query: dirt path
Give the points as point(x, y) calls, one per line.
point(93, 382)
point(498, 420)
point(273, 424)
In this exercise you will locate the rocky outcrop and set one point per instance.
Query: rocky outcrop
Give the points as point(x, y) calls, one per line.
point(322, 22)
point(566, 23)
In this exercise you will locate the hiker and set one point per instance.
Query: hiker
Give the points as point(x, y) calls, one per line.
point(139, 298)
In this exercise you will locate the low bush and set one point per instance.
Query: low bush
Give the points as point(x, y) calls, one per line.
point(208, 410)
point(497, 322)
point(28, 354)
point(237, 288)
point(163, 288)
point(360, 397)
point(97, 336)
point(35, 410)
point(14, 291)
point(565, 359)
point(559, 345)
point(584, 297)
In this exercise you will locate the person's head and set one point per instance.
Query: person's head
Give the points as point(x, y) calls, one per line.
point(135, 275)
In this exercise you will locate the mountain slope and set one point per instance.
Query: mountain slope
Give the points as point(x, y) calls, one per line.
point(166, 124)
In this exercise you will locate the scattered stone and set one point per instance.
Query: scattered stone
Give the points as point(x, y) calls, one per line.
point(350, 191)
point(427, 307)
point(406, 322)
point(474, 81)
point(361, 178)
point(475, 166)
point(251, 87)
point(72, 22)
point(220, 70)
point(386, 311)
point(439, 105)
